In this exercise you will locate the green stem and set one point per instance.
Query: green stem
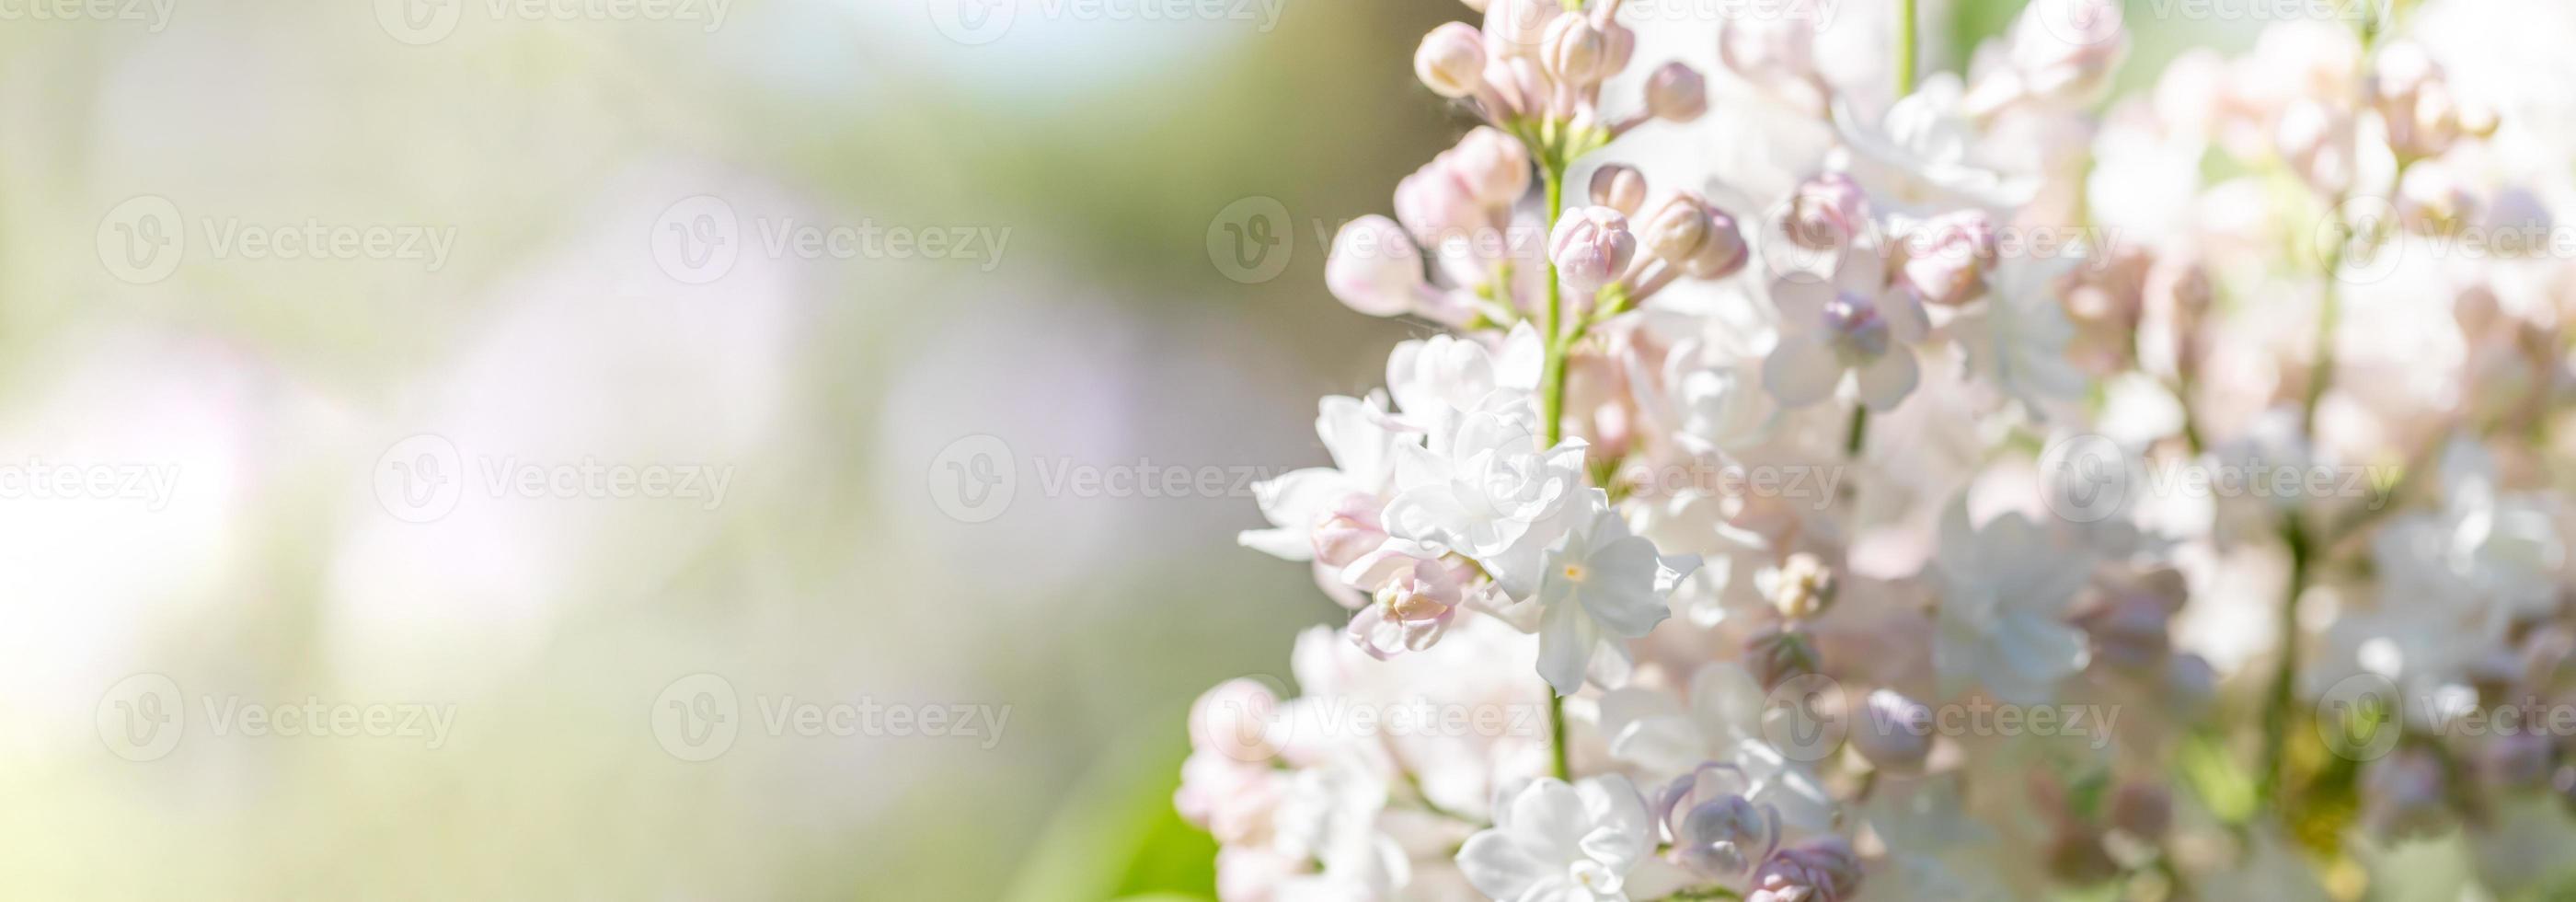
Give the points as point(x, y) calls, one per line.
point(1858, 434)
point(1907, 40)
point(1552, 390)
point(1552, 415)
point(2279, 701)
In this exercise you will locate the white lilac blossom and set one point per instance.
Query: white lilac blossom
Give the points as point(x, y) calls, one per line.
point(1599, 585)
point(1854, 323)
point(2007, 590)
point(1555, 841)
point(1622, 514)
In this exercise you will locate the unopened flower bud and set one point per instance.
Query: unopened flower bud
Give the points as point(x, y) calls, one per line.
point(1591, 249)
point(1676, 93)
point(1712, 828)
point(1235, 720)
point(1348, 530)
point(1818, 870)
point(1827, 212)
point(1620, 48)
point(2141, 809)
point(1620, 188)
point(1451, 60)
point(1856, 331)
point(1777, 655)
point(1514, 28)
point(1495, 165)
point(1437, 203)
point(1947, 256)
point(1677, 228)
point(1724, 253)
point(1895, 732)
point(1575, 51)
point(2065, 49)
point(1375, 268)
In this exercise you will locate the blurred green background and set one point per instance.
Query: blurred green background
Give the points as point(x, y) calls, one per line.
point(554, 144)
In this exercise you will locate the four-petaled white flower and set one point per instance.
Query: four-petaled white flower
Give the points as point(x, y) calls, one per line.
point(1603, 584)
point(1855, 323)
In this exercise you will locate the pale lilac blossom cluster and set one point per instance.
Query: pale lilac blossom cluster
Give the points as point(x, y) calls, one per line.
point(1746, 696)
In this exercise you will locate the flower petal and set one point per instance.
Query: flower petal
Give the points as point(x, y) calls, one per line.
point(1885, 382)
point(1801, 371)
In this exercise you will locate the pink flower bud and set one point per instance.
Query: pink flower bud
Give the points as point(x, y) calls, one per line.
point(1348, 530)
point(1375, 269)
point(1451, 60)
point(1514, 28)
point(1827, 212)
point(1437, 203)
point(1724, 253)
point(1234, 719)
point(1946, 257)
point(1676, 93)
point(1575, 51)
point(2066, 49)
point(1495, 165)
point(1894, 732)
point(1620, 188)
point(1677, 229)
point(1591, 248)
